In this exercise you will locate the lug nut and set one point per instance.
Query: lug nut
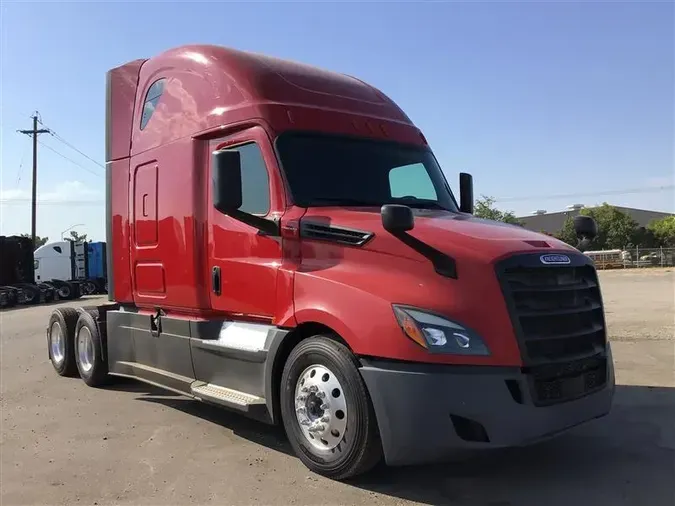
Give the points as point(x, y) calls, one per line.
point(321, 395)
point(313, 388)
point(301, 409)
point(302, 397)
point(324, 406)
point(304, 389)
point(325, 419)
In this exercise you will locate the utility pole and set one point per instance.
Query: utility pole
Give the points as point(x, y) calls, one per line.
point(34, 132)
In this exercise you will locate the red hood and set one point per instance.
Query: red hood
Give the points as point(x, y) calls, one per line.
point(455, 234)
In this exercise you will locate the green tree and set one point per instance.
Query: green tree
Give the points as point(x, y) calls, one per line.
point(75, 237)
point(645, 238)
point(567, 233)
point(616, 230)
point(664, 230)
point(484, 208)
point(39, 241)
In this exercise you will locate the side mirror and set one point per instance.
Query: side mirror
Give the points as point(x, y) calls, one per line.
point(226, 181)
point(585, 227)
point(466, 193)
point(397, 218)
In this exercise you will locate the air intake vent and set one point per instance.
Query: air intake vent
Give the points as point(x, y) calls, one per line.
point(338, 235)
point(538, 244)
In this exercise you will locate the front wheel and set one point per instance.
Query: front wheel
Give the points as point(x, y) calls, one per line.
point(326, 410)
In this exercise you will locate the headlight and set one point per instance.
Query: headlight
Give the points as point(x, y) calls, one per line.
point(437, 334)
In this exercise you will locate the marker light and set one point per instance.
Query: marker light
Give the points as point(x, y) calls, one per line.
point(438, 334)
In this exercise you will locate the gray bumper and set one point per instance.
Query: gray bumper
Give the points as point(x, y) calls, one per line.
point(426, 413)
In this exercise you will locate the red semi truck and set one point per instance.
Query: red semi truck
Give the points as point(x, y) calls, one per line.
point(283, 242)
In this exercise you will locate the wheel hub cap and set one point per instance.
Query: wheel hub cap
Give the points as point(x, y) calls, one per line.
point(321, 408)
point(57, 343)
point(85, 349)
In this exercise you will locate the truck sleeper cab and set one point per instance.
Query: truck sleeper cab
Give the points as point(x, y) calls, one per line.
point(282, 242)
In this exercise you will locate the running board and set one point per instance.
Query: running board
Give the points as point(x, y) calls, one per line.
point(226, 397)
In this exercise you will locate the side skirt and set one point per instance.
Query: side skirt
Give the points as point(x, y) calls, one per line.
point(220, 362)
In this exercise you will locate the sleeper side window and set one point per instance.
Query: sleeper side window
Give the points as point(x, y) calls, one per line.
point(254, 179)
point(151, 99)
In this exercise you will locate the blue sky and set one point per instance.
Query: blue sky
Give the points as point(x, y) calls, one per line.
point(535, 98)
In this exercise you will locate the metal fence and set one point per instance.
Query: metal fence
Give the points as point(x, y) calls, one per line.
point(633, 258)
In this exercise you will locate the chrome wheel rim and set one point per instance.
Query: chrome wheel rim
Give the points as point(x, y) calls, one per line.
point(321, 408)
point(57, 343)
point(85, 349)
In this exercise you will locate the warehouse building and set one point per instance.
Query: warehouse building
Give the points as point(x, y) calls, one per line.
point(551, 223)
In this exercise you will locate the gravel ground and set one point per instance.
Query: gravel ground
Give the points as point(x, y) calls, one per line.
point(64, 443)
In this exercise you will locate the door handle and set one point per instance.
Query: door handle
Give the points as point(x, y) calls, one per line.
point(215, 279)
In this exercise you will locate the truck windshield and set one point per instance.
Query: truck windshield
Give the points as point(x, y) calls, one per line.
point(326, 170)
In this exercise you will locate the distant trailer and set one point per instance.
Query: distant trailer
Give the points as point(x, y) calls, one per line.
point(72, 262)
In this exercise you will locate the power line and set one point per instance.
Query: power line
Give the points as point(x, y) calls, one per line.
point(23, 201)
point(648, 189)
point(70, 160)
point(544, 197)
point(61, 139)
point(18, 172)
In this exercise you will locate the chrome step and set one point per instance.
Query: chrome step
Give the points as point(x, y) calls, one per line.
point(225, 396)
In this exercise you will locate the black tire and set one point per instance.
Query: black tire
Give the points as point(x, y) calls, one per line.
point(66, 291)
point(88, 287)
point(361, 449)
point(97, 374)
point(31, 294)
point(66, 318)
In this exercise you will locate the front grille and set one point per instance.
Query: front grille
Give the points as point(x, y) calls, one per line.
point(556, 310)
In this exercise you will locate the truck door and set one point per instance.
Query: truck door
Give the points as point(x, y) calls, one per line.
point(243, 263)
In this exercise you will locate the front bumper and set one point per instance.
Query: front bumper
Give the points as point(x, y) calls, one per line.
point(426, 413)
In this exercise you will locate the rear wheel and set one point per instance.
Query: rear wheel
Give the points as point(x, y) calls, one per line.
point(31, 294)
point(326, 410)
point(93, 369)
point(66, 291)
point(89, 287)
point(60, 334)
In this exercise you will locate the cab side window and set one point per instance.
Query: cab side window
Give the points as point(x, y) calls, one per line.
point(151, 99)
point(254, 179)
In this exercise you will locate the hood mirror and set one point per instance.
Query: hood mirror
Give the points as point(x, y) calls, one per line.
point(466, 192)
point(585, 227)
point(397, 218)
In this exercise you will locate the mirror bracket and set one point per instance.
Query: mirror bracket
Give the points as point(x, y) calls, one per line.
point(398, 220)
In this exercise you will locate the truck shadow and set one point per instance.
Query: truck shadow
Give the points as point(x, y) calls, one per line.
point(626, 458)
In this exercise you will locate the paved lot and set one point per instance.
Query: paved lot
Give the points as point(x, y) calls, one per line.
point(64, 443)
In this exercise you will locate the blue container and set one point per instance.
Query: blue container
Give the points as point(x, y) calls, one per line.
point(96, 260)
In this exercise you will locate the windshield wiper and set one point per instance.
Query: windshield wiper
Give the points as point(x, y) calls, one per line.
point(422, 204)
point(346, 201)
point(414, 203)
